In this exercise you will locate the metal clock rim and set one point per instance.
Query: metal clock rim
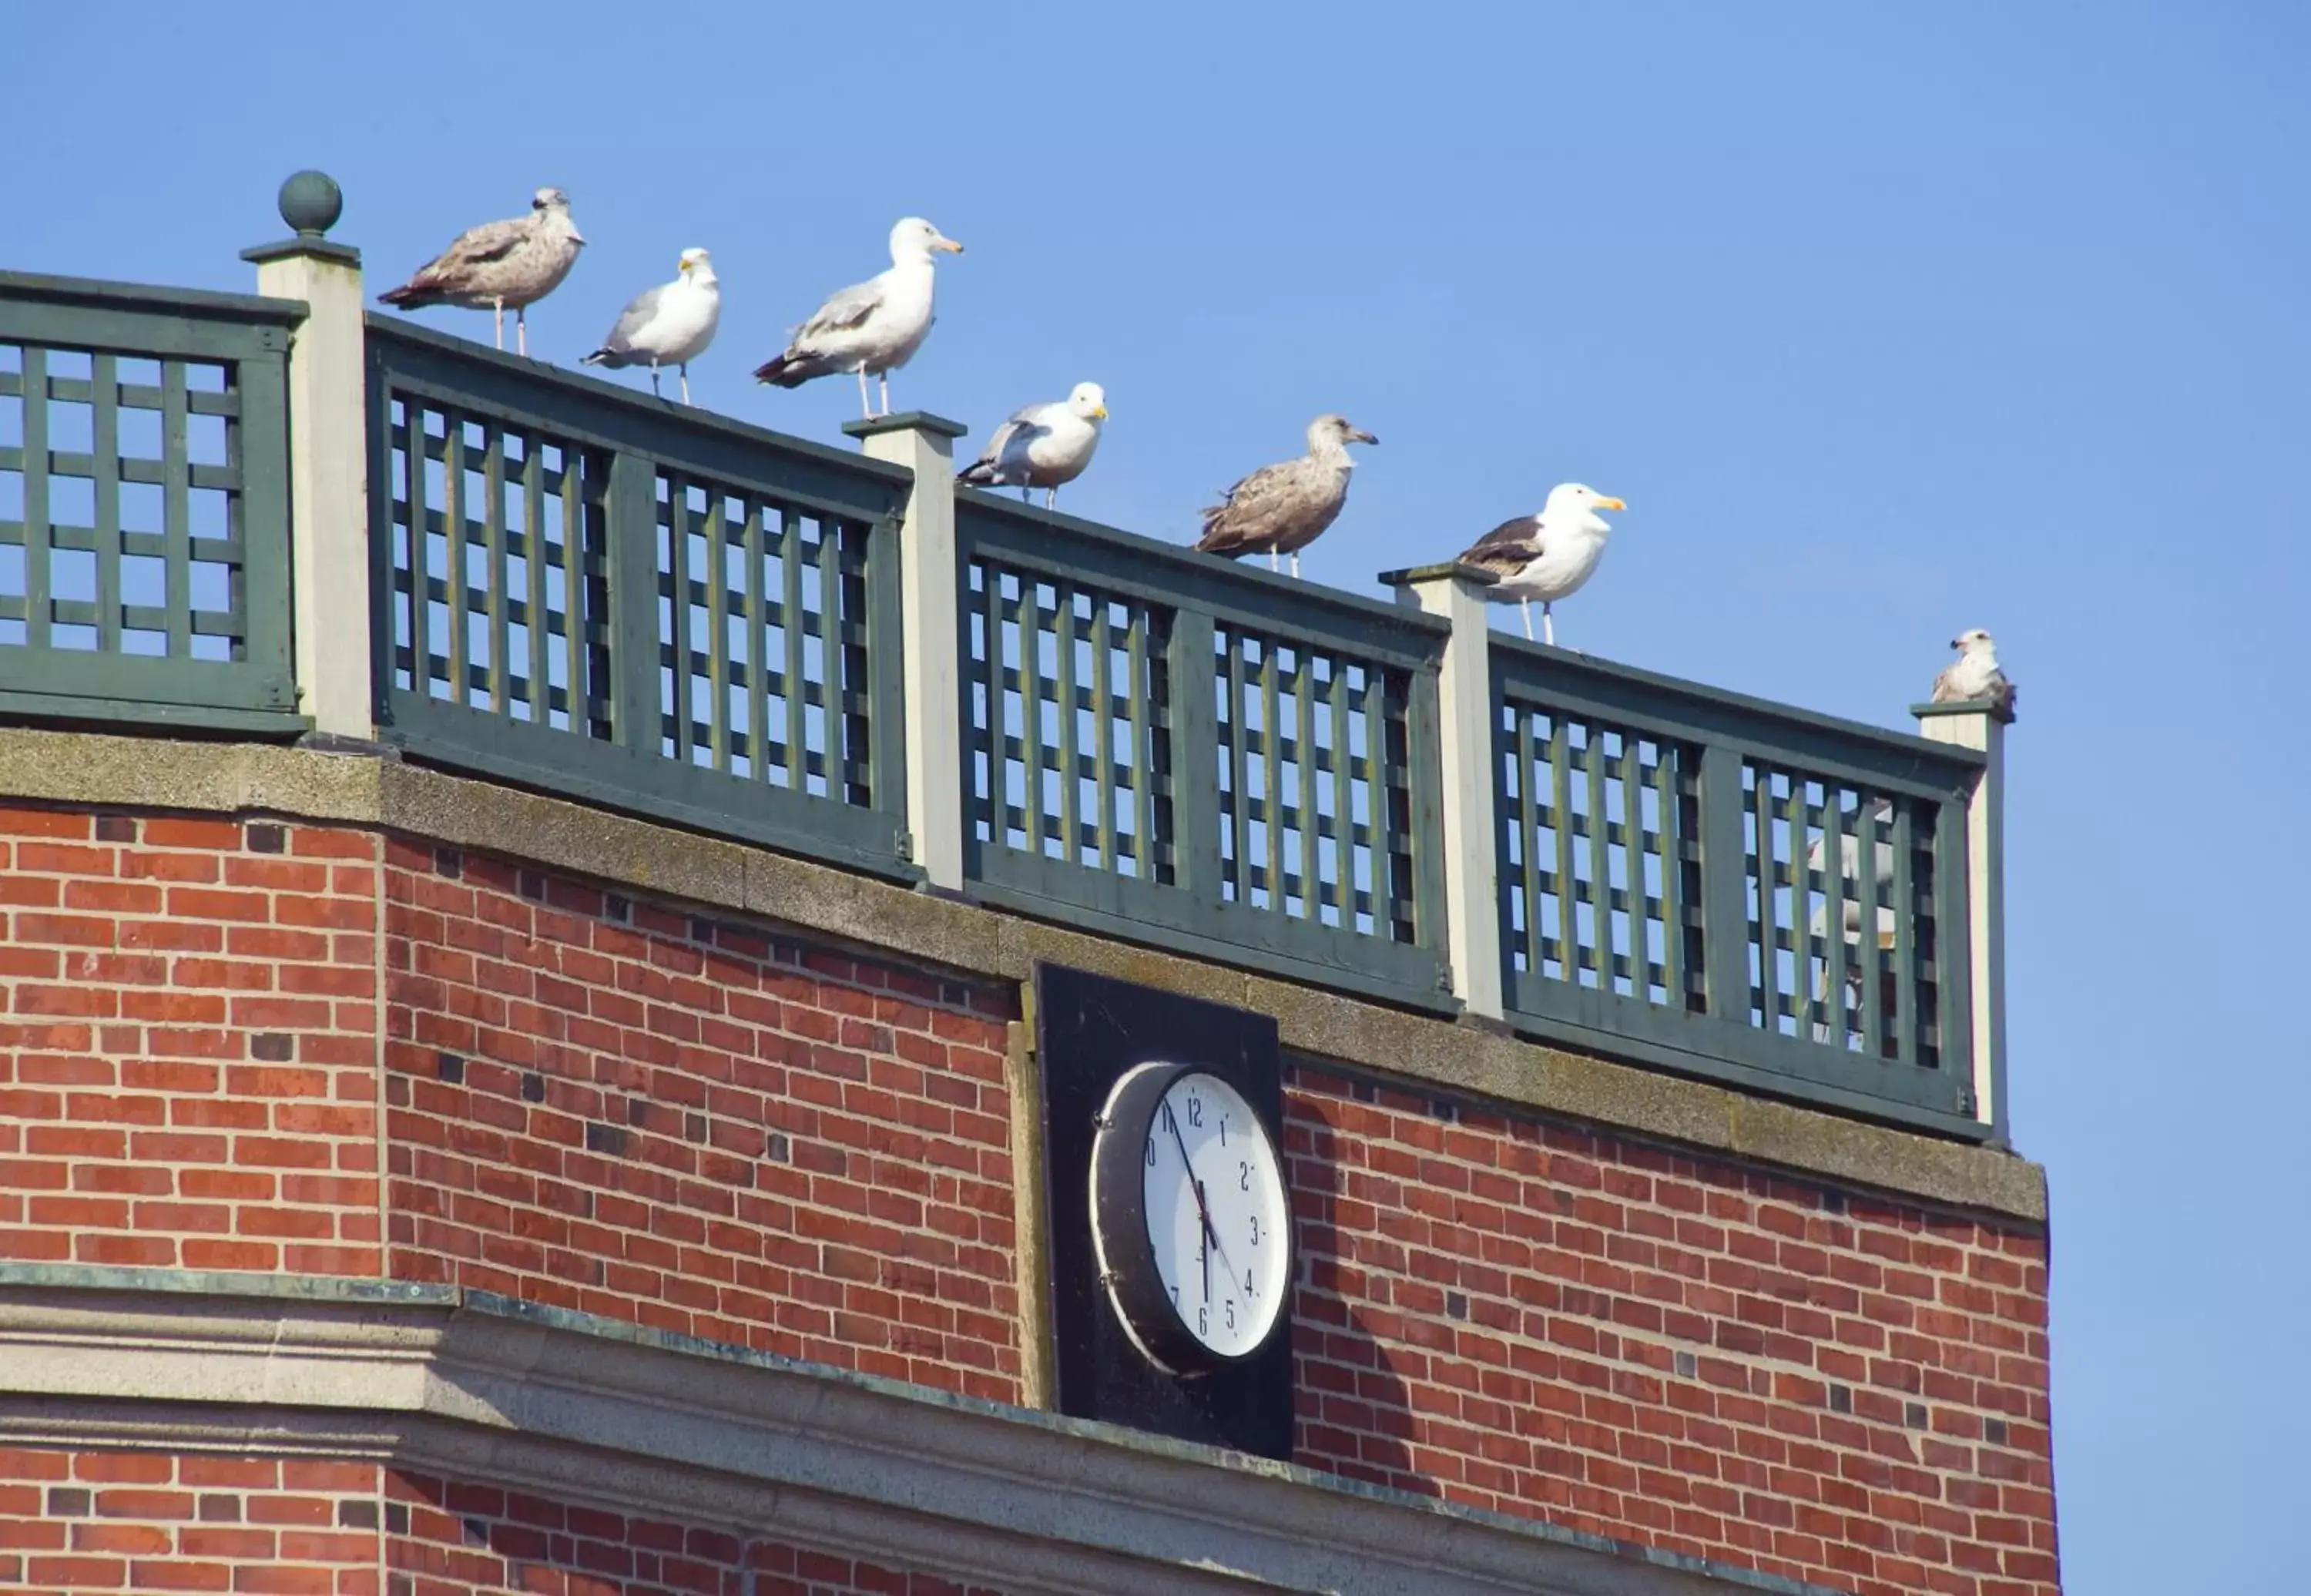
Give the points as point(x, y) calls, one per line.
point(1132, 1283)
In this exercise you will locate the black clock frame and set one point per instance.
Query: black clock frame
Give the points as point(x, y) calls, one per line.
point(1118, 1195)
point(1090, 1031)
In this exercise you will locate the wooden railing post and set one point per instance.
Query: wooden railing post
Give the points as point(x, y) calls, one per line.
point(328, 460)
point(1979, 726)
point(930, 580)
point(1466, 776)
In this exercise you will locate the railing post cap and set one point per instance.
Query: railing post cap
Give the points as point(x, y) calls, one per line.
point(1444, 570)
point(906, 420)
point(309, 202)
point(1964, 706)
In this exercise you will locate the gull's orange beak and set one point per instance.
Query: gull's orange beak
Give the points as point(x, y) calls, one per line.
point(1610, 504)
point(950, 245)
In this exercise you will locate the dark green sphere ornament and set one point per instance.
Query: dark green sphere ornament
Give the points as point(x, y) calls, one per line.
point(311, 202)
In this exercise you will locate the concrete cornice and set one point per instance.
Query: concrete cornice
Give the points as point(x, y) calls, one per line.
point(1326, 1028)
point(480, 1387)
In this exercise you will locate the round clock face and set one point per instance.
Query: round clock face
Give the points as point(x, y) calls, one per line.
point(1208, 1274)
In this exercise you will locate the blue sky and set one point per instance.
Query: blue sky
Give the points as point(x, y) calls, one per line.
point(1886, 321)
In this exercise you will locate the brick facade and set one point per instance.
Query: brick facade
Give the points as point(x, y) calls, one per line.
point(612, 1106)
point(88, 1521)
point(1770, 1372)
point(188, 1043)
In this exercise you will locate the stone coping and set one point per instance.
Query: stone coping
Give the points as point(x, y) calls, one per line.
point(1331, 1029)
point(509, 1392)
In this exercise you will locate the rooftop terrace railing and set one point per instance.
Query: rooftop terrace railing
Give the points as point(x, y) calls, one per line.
point(144, 505)
point(547, 579)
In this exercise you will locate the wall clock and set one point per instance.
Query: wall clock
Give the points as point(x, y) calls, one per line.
point(1190, 1218)
point(1168, 1208)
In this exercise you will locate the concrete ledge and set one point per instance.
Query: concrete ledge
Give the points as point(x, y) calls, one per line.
point(1325, 1027)
point(480, 1387)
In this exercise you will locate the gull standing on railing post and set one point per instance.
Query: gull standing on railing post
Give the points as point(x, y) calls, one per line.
point(1546, 556)
point(1043, 446)
point(871, 328)
point(1282, 509)
point(1974, 675)
point(500, 266)
point(670, 325)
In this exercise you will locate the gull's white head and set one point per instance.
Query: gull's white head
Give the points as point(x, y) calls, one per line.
point(1576, 504)
point(1975, 643)
point(554, 205)
point(1089, 400)
point(697, 265)
point(1333, 434)
point(914, 239)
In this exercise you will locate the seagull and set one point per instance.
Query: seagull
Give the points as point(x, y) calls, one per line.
point(1282, 509)
point(670, 325)
point(1042, 446)
point(1849, 857)
point(501, 264)
point(1546, 556)
point(871, 328)
point(1975, 675)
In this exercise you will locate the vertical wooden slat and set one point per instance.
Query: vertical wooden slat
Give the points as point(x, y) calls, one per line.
point(1524, 753)
point(1560, 814)
point(1793, 813)
point(1672, 871)
point(176, 510)
point(494, 550)
point(999, 718)
point(1193, 756)
point(420, 604)
point(834, 719)
point(1633, 857)
point(1873, 1006)
point(797, 695)
point(1102, 785)
point(1303, 740)
point(579, 620)
point(1953, 971)
point(104, 418)
point(758, 636)
point(1724, 886)
point(1600, 859)
point(1906, 1018)
point(1424, 778)
point(886, 787)
point(1141, 762)
point(673, 586)
point(1833, 913)
point(1381, 801)
point(1031, 706)
point(636, 684)
point(1344, 800)
point(1238, 755)
point(37, 598)
point(1063, 641)
point(535, 595)
point(1271, 777)
point(453, 528)
point(717, 624)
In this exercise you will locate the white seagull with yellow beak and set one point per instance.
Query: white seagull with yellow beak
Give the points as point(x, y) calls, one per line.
point(872, 327)
point(670, 325)
point(1546, 556)
point(1043, 446)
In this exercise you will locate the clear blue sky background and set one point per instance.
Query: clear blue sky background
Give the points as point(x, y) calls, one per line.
point(1887, 322)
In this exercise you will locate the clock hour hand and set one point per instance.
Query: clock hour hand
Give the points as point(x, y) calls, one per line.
point(1203, 1210)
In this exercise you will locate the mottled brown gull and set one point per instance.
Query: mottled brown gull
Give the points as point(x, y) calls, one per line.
point(1546, 556)
point(500, 266)
point(871, 328)
point(1043, 446)
point(670, 325)
point(1282, 509)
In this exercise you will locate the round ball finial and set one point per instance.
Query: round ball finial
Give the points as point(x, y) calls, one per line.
point(311, 202)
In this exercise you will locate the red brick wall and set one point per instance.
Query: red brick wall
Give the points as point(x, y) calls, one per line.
point(1667, 1349)
point(616, 1109)
point(448, 1538)
point(74, 1522)
point(187, 1022)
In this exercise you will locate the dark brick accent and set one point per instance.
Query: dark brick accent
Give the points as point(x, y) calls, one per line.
point(266, 838)
point(273, 1047)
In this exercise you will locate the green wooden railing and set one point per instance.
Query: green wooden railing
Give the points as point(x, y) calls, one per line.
point(144, 505)
point(1205, 755)
point(587, 591)
point(1670, 889)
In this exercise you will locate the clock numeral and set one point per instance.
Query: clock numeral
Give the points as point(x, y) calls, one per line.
point(1223, 1131)
point(1242, 1175)
point(1195, 1110)
point(1151, 1152)
point(1231, 1313)
point(1175, 1296)
point(1170, 1124)
point(1249, 1288)
point(1203, 1322)
point(1255, 1230)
